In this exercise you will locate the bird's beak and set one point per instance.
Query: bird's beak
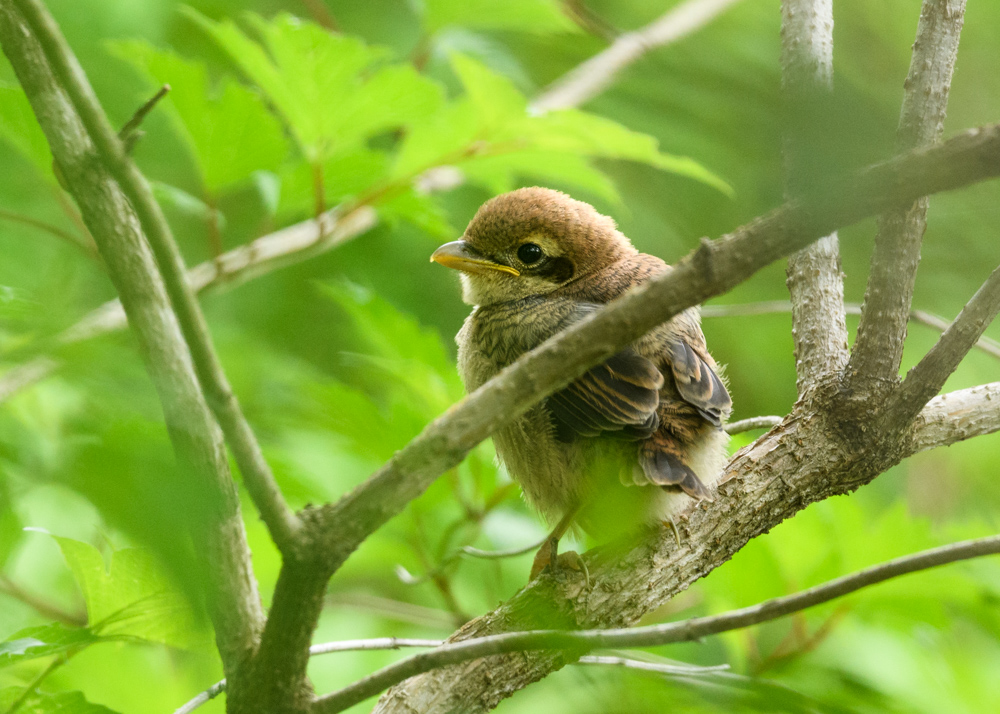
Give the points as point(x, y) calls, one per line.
point(461, 256)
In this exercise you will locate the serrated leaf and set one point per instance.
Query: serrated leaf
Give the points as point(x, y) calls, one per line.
point(495, 98)
point(500, 173)
point(317, 81)
point(575, 131)
point(186, 204)
point(43, 641)
point(444, 138)
point(420, 210)
point(19, 127)
point(131, 597)
point(345, 174)
point(536, 16)
point(46, 703)
point(230, 131)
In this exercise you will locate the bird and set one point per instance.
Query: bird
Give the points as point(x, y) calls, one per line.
point(533, 262)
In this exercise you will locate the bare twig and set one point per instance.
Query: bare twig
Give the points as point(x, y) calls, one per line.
point(589, 79)
point(125, 133)
point(760, 422)
point(657, 667)
point(814, 280)
point(922, 317)
point(46, 69)
point(653, 635)
point(878, 350)
point(957, 416)
point(928, 376)
point(42, 607)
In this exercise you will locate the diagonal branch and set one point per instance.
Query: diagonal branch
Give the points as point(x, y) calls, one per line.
point(583, 641)
point(878, 350)
point(281, 521)
point(815, 282)
point(790, 467)
point(337, 529)
point(592, 77)
point(233, 602)
point(929, 375)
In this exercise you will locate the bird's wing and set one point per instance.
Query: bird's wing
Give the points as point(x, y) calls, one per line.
point(695, 377)
point(620, 396)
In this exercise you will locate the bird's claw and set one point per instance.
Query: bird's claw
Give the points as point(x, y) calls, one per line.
point(669, 523)
point(548, 556)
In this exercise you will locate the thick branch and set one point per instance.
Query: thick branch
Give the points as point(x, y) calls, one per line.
point(929, 375)
point(815, 282)
point(257, 476)
point(234, 603)
point(711, 270)
point(714, 268)
point(788, 468)
point(587, 80)
point(878, 350)
point(684, 631)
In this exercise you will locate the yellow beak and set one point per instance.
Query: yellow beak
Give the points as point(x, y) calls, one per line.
point(459, 255)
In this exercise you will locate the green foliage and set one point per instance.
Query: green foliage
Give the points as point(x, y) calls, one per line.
point(421, 110)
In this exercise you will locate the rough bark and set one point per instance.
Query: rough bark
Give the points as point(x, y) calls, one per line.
point(234, 602)
point(815, 282)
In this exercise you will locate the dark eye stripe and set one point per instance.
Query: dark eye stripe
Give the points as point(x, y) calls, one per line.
point(558, 270)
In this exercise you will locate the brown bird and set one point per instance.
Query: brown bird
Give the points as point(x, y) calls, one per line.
point(533, 262)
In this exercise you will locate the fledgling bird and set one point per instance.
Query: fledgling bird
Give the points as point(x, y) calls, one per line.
point(533, 262)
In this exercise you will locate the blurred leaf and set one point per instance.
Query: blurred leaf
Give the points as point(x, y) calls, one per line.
point(230, 131)
point(537, 16)
point(496, 100)
point(133, 597)
point(184, 203)
point(504, 172)
point(346, 174)
point(10, 523)
point(420, 210)
point(46, 703)
point(43, 641)
point(19, 126)
point(315, 80)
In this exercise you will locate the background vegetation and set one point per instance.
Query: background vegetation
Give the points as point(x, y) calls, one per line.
point(341, 359)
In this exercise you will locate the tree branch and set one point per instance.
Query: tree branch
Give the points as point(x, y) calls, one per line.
point(878, 350)
point(257, 476)
point(815, 282)
point(587, 80)
point(577, 643)
point(957, 416)
point(234, 603)
point(929, 375)
point(42, 607)
point(335, 530)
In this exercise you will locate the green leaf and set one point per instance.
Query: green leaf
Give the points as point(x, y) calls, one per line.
point(230, 131)
point(444, 138)
point(496, 99)
point(500, 173)
point(19, 126)
point(133, 597)
point(537, 16)
point(318, 82)
point(46, 703)
point(186, 204)
point(346, 174)
point(420, 210)
point(42, 641)
point(575, 131)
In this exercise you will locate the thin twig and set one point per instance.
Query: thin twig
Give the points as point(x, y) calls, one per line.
point(42, 607)
point(654, 635)
point(878, 349)
point(140, 114)
point(587, 80)
point(760, 422)
point(658, 667)
point(281, 521)
point(498, 554)
point(929, 375)
point(52, 666)
point(922, 317)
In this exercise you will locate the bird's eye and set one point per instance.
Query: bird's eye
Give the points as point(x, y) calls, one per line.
point(529, 253)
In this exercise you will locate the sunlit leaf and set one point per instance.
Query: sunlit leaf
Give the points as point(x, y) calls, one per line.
point(230, 131)
point(43, 641)
point(131, 597)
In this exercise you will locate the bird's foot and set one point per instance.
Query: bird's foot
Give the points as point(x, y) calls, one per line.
point(549, 557)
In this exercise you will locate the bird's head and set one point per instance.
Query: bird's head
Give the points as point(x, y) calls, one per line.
point(528, 242)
